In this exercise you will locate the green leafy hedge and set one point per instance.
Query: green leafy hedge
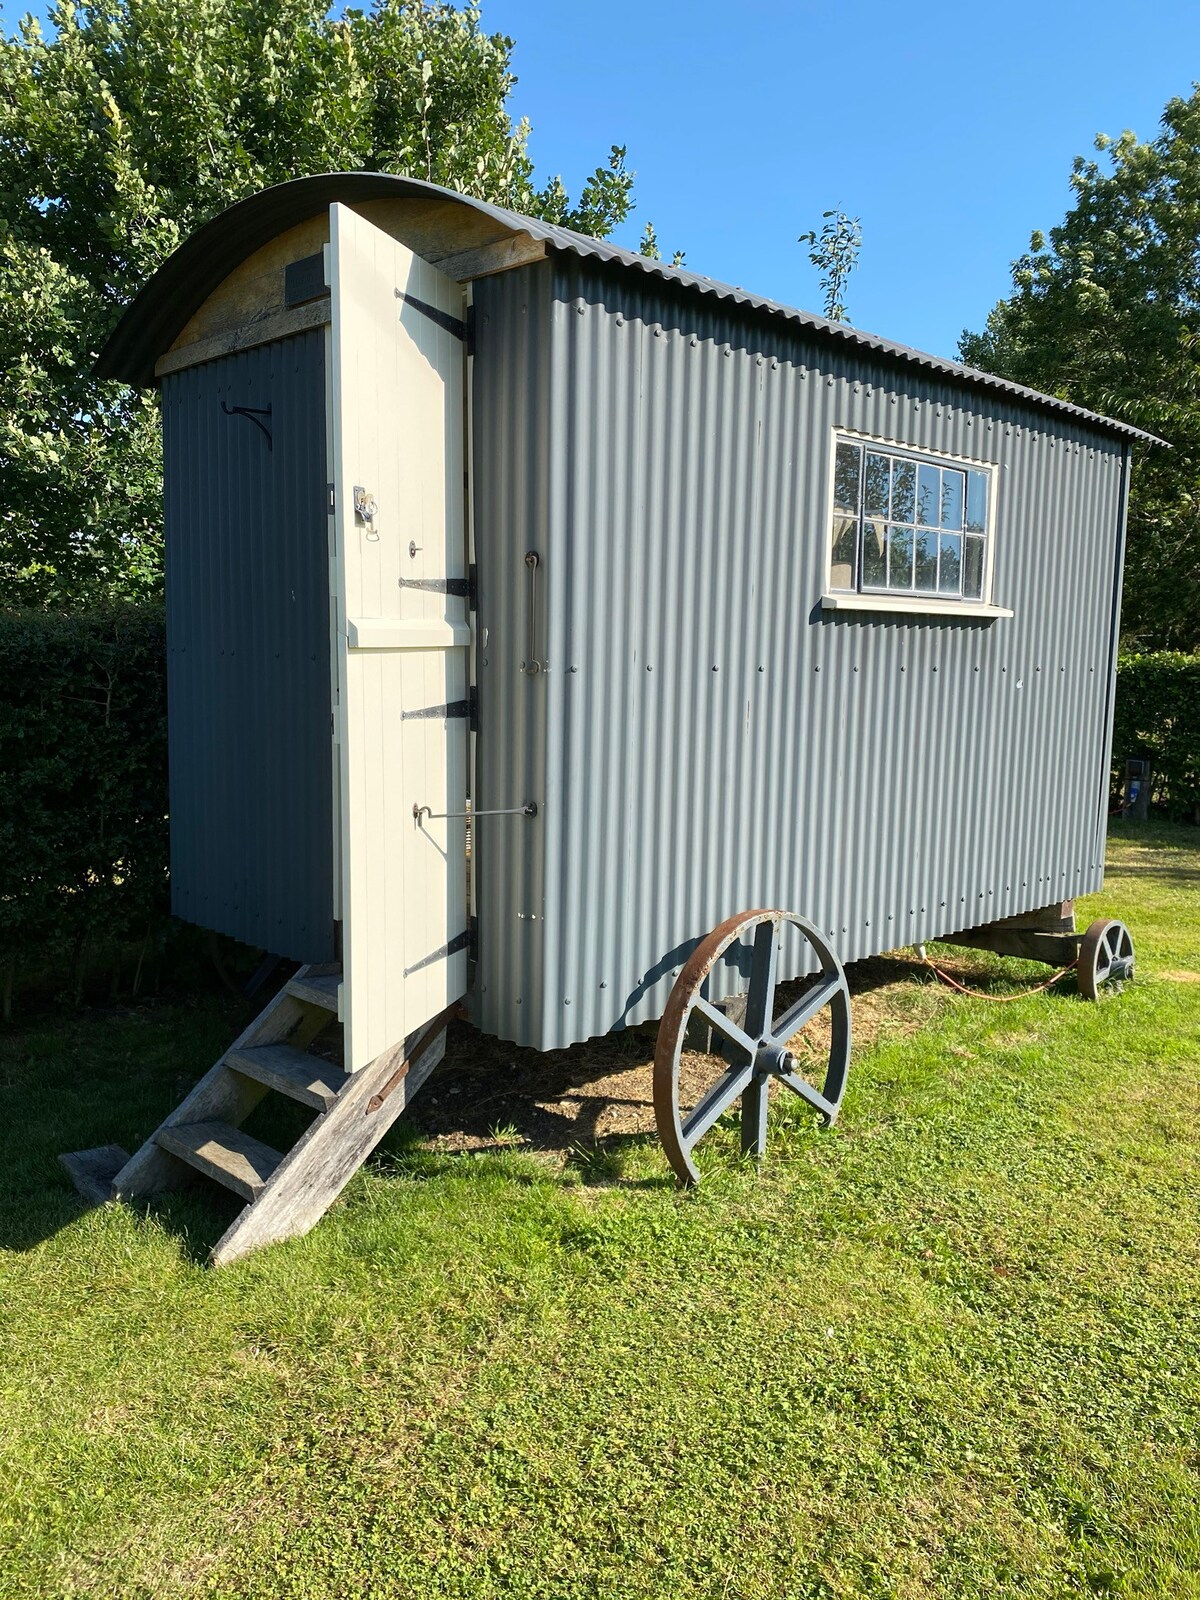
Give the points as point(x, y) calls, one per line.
point(1158, 716)
point(83, 794)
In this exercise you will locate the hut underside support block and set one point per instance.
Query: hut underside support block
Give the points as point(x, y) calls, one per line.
point(1047, 934)
point(92, 1171)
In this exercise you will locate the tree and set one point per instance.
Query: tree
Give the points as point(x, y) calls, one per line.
point(834, 253)
point(650, 249)
point(1106, 312)
point(133, 122)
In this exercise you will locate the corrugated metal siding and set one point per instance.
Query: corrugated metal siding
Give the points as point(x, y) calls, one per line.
point(705, 738)
point(247, 577)
point(511, 427)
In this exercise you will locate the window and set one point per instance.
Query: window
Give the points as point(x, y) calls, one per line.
point(906, 523)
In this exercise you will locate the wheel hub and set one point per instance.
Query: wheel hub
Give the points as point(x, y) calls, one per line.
point(773, 1061)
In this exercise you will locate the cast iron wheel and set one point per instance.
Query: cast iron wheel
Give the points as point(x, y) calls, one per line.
point(756, 1049)
point(1105, 956)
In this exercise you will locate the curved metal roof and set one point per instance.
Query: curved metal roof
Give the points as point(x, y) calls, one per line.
point(160, 310)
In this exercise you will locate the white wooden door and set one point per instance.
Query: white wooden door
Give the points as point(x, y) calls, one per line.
point(398, 434)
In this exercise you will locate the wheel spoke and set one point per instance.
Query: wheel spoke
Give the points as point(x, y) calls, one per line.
point(718, 1100)
point(760, 1000)
point(805, 1090)
point(725, 1025)
point(805, 1009)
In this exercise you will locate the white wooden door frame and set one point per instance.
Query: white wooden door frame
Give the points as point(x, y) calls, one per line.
point(397, 428)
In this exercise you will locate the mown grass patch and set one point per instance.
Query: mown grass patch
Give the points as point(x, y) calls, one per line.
point(951, 1348)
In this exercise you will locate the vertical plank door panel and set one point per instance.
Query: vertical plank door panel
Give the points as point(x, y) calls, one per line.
point(397, 396)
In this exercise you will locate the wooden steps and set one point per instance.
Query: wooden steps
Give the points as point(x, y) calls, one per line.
point(223, 1153)
point(317, 988)
point(286, 1192)
point(292, 1072)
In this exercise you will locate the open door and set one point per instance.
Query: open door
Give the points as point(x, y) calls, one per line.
point(397, 387)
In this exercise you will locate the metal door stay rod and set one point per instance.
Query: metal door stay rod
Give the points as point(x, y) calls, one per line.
point(528, 810)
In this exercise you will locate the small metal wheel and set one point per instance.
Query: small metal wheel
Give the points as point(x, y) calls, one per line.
point(756, 1047)
point(1105, 956)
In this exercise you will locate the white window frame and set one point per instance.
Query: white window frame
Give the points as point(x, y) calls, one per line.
point(898, 600)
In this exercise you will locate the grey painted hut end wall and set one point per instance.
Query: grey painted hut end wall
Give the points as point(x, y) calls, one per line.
point(703, 737)
point(248, 686)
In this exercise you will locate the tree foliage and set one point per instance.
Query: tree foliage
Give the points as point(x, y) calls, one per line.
point(834, 253)
point(1158, 718)
point(129, 124)
point(649, 247)
point(1105, 311)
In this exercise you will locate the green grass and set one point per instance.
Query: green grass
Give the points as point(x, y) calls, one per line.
point(951, 1348)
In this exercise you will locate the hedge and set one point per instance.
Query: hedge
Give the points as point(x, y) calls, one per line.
point(83, 794)
point(1158, 718)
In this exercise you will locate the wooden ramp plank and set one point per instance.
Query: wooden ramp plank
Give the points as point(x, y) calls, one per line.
point(312, 1175)
point(292, 1072)
point(92, 1171)
point(224, 1153)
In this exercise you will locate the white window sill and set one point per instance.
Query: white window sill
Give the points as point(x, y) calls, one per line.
point(913, 604)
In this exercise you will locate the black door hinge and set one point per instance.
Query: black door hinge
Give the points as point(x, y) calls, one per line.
point(442, 713)
point(460, 588)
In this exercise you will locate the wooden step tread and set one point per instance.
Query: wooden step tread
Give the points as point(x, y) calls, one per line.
point(319, 989)
point(223, 1153)
point(292, 1072)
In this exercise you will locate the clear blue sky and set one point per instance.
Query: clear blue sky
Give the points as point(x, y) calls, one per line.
point(949, 128)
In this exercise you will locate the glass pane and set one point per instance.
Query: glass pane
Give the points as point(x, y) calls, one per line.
point(929, 483)
point(977, 487)
point(875, 493)
point(904, 483)
point(845, 552)
point(874, 560)
point(949, 563)
point(900, 556)
point(952, 498)
point(927, 544)
point(972, 568)
point(845, 477)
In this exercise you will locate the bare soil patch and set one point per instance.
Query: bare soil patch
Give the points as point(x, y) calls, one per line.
point(491, 1095)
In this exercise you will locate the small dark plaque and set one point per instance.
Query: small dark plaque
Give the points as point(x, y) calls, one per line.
point(304, 280)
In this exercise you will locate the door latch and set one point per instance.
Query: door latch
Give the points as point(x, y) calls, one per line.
point(365, 505)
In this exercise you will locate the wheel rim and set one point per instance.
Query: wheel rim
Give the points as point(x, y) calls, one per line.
point(1105, 956)
point(756, 1051)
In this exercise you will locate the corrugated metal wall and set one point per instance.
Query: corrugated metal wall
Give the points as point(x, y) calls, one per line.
point(247, 578)
point(704, 739)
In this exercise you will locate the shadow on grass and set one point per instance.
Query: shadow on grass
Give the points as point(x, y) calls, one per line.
point(109, 1076)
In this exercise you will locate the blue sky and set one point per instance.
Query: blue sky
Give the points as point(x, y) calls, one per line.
point(948, 128)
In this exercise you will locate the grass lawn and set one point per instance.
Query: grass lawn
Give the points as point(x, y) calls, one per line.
point(951, 1348)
